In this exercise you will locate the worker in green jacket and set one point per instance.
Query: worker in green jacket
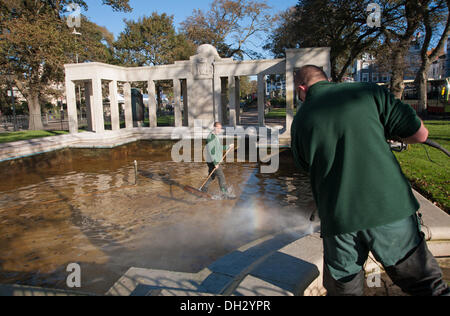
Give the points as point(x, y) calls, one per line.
point(365, 202)
point(214, 156)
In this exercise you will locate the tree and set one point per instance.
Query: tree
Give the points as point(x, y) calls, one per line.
point(35, 43)
point(151, 41)
point(398, 39)
point(230, 26)
point(341, 25)
point(247, 87)
point(434, 15)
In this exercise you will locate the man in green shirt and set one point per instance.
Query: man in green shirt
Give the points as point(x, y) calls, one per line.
point(214, 157)
point(364, 201)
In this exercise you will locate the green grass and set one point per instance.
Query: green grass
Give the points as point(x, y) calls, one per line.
point(166, 120)
point(27, 135)
point(278, 113)
point(430, 178)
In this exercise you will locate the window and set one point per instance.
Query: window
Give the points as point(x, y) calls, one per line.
point(365, 77)
point(375, 77)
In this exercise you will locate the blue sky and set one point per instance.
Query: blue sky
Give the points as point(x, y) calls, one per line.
point(103, 15)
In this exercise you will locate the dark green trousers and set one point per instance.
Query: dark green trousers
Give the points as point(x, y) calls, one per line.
point(401, 249)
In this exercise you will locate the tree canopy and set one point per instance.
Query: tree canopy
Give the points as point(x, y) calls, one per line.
point(35, 43)
point(230, 26)
point(152, 41)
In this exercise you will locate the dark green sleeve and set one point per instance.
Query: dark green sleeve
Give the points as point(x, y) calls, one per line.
point(399, 119)
point(297, 149)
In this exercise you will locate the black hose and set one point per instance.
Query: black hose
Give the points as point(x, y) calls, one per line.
point(437, 146)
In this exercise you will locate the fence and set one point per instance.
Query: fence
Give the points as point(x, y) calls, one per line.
point(50, 122)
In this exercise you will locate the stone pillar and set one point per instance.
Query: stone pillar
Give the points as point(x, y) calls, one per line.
point(238, 100)
point(152, 104)
point(97, 108)
point(128, 106)
point(177, 99)
point(115, 115)
point(89, 104)
point(218, 114)
point(71, 101)
point(232, 98)
point(261, 99)
point(290, 88)
point(185, 103)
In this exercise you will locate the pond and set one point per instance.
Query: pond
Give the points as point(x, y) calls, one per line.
point(82, 206)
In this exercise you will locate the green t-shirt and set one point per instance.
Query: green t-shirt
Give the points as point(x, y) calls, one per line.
point(339, 138)
point(214, 149)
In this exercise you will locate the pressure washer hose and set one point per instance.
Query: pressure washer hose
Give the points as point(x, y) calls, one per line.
point(433, 144)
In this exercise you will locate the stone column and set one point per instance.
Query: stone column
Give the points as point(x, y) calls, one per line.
point(152, 104)
point(232, 98)
point(177, 99)
point(89, 104)
point(290, 88)
point(115, 116)
point(97, 109)
point(218, 100)
point(128, 106)
point(191, 96)
point(71, 101)
point(238, 100)
point(185, 103)
point(261, 99)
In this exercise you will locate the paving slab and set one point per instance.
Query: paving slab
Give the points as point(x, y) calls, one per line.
point(436, 221)
point(253, 286)
point(20, 290)
point(128, 284)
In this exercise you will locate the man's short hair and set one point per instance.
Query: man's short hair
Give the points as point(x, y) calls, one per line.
point(309, 73)
point(217, 124)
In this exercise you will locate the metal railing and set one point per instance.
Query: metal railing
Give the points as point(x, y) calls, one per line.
point(50, 121)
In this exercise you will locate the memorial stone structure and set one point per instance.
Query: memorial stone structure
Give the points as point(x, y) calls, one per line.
point(198, 87)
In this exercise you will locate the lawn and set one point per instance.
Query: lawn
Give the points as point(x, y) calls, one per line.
point(26, 135)
point(430, 173)
point(278, 113)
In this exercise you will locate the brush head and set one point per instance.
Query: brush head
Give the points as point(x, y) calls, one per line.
point(197, 192)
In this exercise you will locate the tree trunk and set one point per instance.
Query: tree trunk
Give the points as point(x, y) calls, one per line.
point(422, 86)
point(35, 123)
point(398, 72)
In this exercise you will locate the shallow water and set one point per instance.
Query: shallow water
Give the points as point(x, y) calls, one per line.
point(81, 206)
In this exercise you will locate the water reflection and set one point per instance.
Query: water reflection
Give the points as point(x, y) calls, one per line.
point(82, 206)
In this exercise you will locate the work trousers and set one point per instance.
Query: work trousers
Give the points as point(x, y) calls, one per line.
point(217, 174)
point(400, 247)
